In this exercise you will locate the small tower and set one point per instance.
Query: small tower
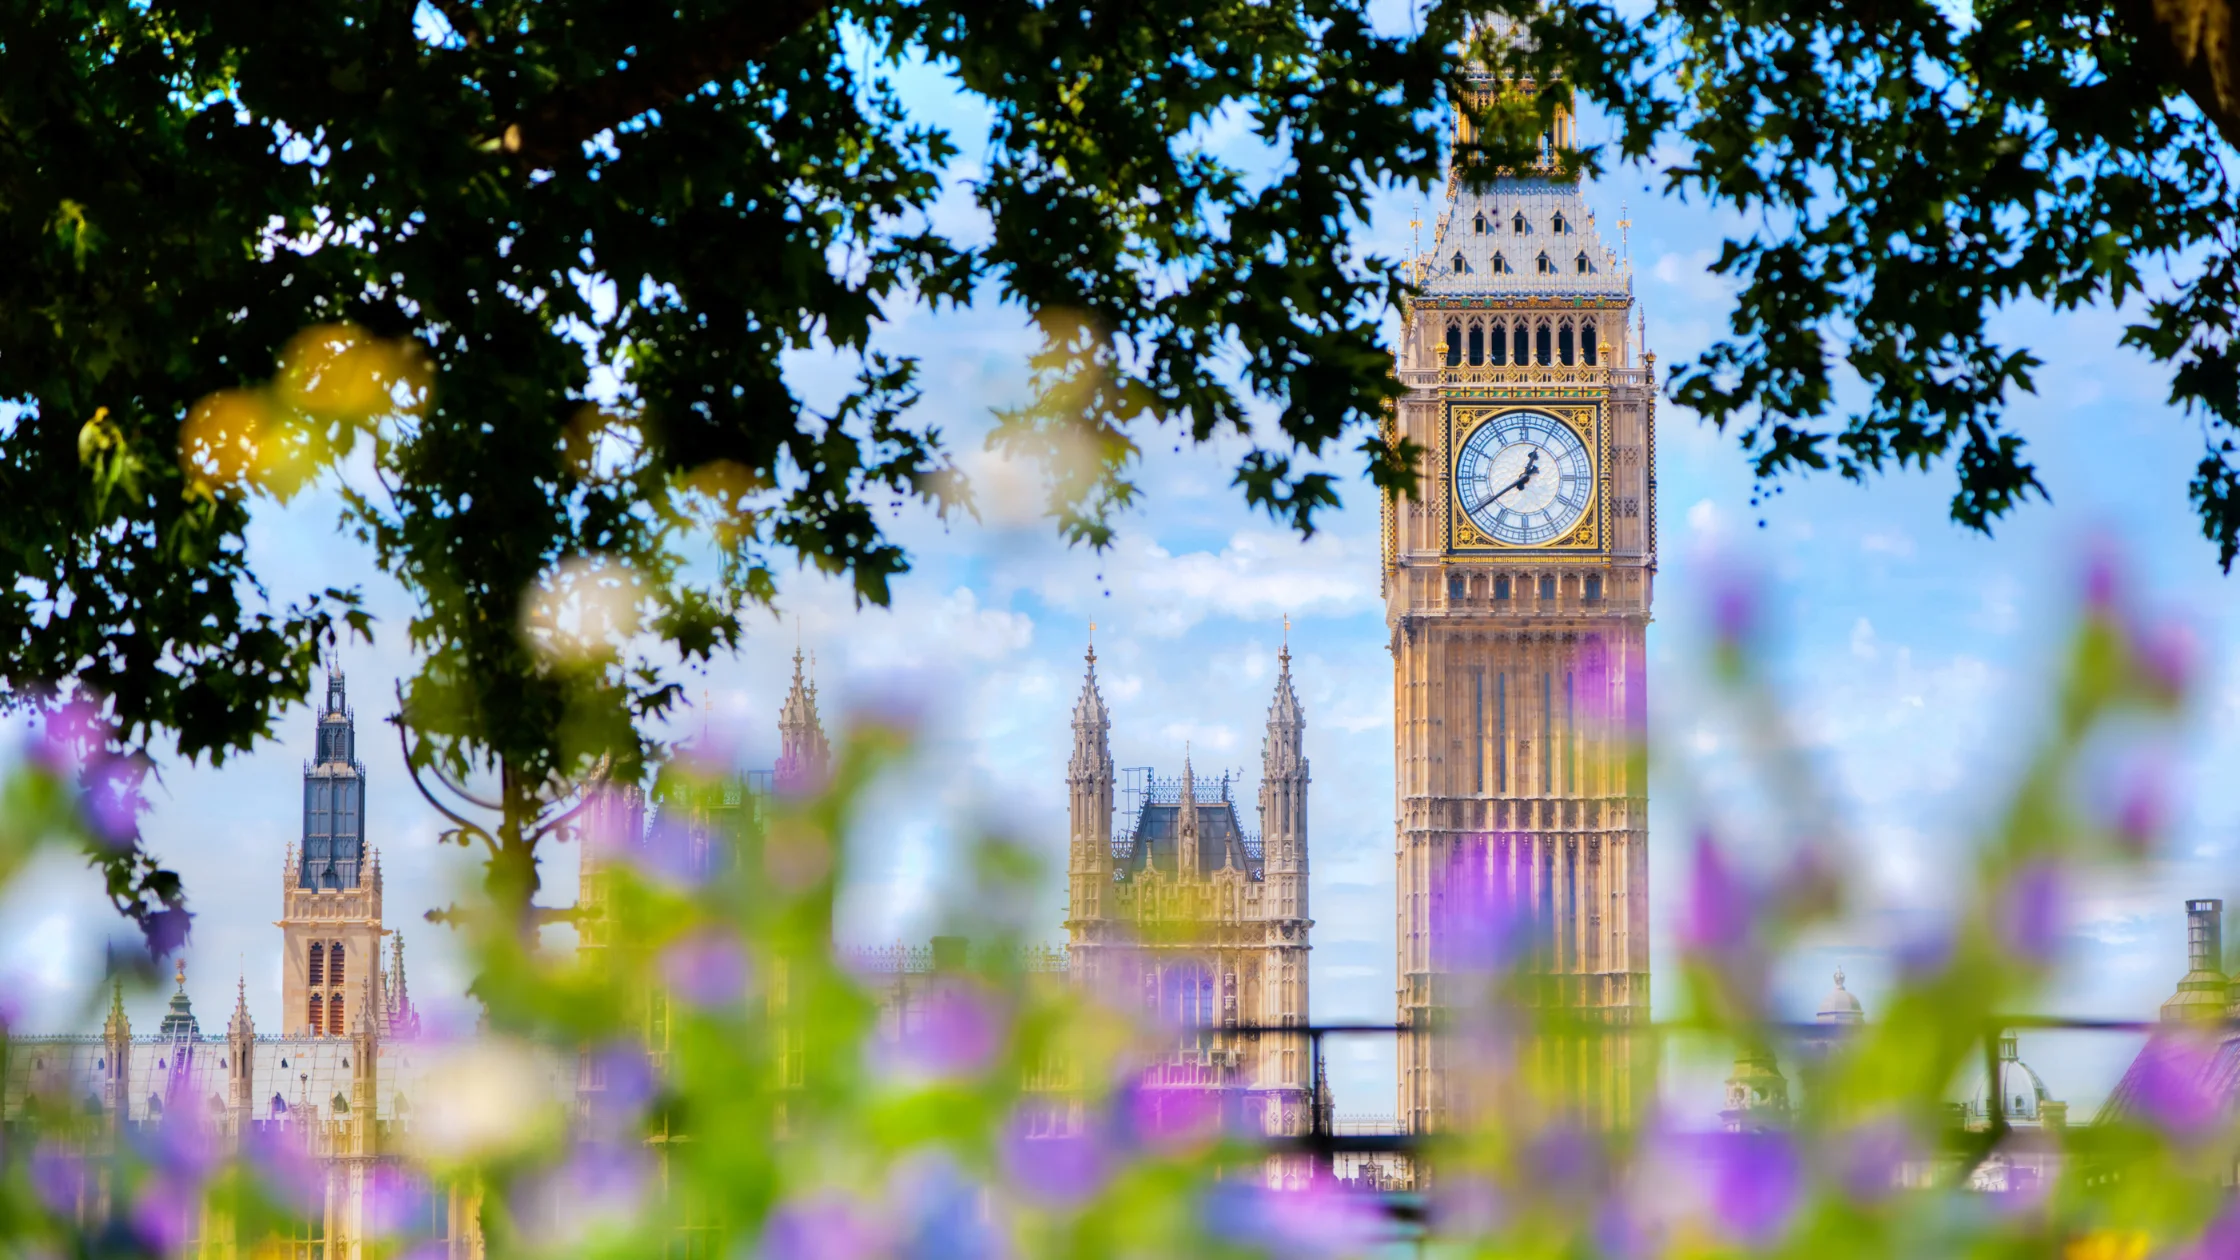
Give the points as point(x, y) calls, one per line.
point(1757, 1093)
point(1283, 800)
point(2204, 993)
point(403, 1020)
point(803, 752)
point(1841, 1006)
point(1089, 783)
point(1186, 832)
point(241, 1064)
point(179, 1023)
point(365, 1055)
point(331, 905)
point(116, 1059)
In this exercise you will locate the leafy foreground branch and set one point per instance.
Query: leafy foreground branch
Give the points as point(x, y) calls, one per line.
point(707, 1072)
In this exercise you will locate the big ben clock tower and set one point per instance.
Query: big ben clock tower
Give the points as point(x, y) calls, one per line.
point(1517, 587)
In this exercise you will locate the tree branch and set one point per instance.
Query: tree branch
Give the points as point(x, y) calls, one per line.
point(671, 69)
point(2194, 43)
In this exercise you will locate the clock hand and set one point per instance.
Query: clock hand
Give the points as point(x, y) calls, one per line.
point(1531, 466)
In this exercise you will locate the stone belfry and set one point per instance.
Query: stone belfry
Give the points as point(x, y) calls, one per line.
point(331, 886)
point(1517, 583)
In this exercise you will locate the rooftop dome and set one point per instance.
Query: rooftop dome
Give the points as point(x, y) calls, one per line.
point(1840, 1006)
point(2021, 1091)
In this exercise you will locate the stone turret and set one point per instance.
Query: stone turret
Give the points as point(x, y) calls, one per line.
point(1186, 825)
point(403, 1019)
point(1089, 783)
point(803, 752)
point(365, 1056)
point(179, 1023)
point(241, 1062)
point(1283, 798)
point(2205, 992)
point(116, 1058)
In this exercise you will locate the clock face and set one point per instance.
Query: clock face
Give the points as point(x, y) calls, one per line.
point(1524, 478)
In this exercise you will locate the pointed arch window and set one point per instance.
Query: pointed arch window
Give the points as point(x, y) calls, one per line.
point(1542, 348)
point(1584, 266)
point(318, 963)
point(1454, 345)
point(1586, 341)
point(1563, 343)
point(1559, 226)
point(1459, 267)
point(1544, 265)
point(1500, 265)
point(1478, 225)
point(335, 1026)
point(1500, 346)
point(315, 1016)
point(1518, 225)
point(1477, 344)
point(1523, 346)
point(334, 964)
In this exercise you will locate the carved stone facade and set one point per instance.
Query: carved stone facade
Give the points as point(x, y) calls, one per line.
point(1203, 924)
point(1518, 584)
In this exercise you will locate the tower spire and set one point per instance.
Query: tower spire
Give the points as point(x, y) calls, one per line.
point(803, 752)
point(1089, 785)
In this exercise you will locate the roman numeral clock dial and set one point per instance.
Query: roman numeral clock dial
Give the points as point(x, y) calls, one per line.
point(1524, 478)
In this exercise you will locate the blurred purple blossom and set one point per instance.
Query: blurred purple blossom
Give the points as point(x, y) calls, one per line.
point(1757, 1183)
point(57, 1177)
point(2171, 1085)
point(602, 1183)
point(1169, 1119)
point(1871, 1159)
point(2142, 801)
point(294, 1179)
point(706, 967)
point(945, 1214)
point(2032, 912)
point(2219, 1240)
point(672, 852)
point(395, 1200)
point(1322, 1220)
point(1480, 927)
point(2169, 654)
point(959, 1035)
point(827, 1225)
point(1466, 1206)
point(626, 1085)
point(164, 1213)
point(1057, 1171)
point(1734, 607)
point(1718, 918)
point(2103, 575)
point(1564, 1159)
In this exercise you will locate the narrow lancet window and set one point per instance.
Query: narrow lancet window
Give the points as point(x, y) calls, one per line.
point(1563, 343)
point(1477, 344)
point(1498, 351)
point(1454, 345)
point(318, 963)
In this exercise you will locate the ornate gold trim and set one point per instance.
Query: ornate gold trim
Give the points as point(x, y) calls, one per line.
point(1587, 536)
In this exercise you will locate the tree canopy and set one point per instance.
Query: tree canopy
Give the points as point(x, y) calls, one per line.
point(543, 262)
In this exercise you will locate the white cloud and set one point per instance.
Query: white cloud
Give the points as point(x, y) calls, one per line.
point(1691, 273)
point(1863, 644)
point(1894, 542)
point(1259, 575)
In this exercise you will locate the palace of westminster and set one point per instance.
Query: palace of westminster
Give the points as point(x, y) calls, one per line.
point(1518, 584)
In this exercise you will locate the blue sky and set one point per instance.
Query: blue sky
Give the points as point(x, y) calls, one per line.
point(1905, 648)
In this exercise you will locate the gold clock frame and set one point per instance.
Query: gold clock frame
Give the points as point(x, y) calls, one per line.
point(1587, 535)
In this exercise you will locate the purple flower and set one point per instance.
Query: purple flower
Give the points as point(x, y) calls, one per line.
point(2168, 655)
point(943, 1214)
point(1170, 1118)
point(163, 1213)
point(2173, 1086)
point(1465, 1206)
point(1320, 1220)
point(395, 1200)
point(2031, 912)
point(1756, 1185)
point(674, 853)
point(1058, 1171)
point(823, 1226)
point(2219, 1240)
point(1872, 1158)
point(1481, 928)
point(1734, 608)
point(1718, 909)
point(58, 1177)
point(705, 967)
point(625, 1085)
point(602, 1184)
point(959, 1035)
point(2103, 576)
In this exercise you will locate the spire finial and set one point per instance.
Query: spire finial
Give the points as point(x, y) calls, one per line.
point(1285, 655)
point(1092, 647)
point(180, 972)
point(1839, 976)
